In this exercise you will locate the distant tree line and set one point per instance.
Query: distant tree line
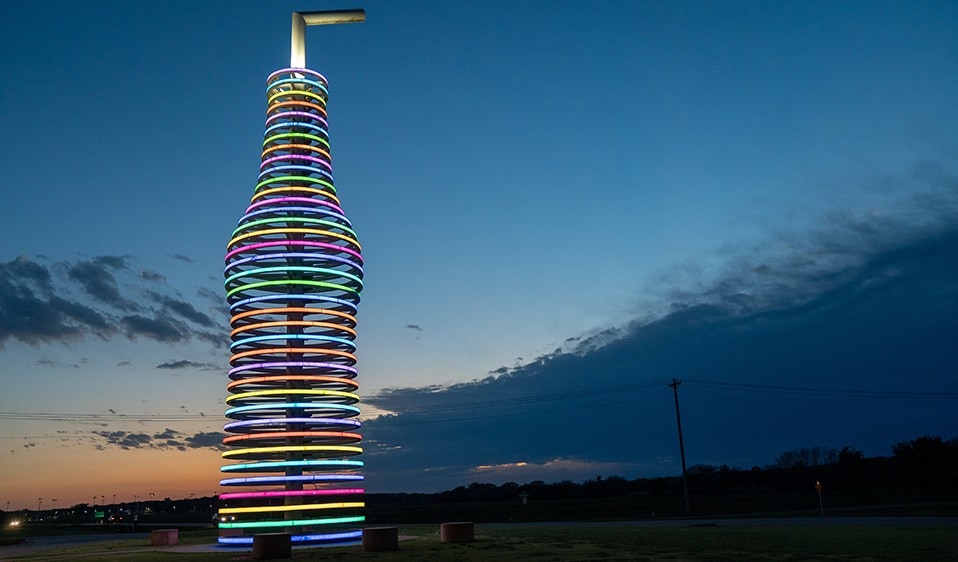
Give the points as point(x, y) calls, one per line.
point(927, 462)
point(922, 462)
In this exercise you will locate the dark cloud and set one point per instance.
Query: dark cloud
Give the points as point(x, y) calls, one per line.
point(183, 309)
point(167, 434)
point(98, 281)
point(215, 339)
point(150, 275)
point(183, 258)
point(69, 301)
point(210, 440)
point(113, 262)
point(31, 313)
point(847, 338)
point(83, 315)
point(159, 329)
point(23, 271)
point(181, 364)
point(124, 439)
point(168, 439)
point(186, 364)
point(413, 327)
point(216, 298)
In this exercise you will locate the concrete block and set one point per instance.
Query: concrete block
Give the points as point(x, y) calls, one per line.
point(376, 539)
point(165, 537)
point(272, 546)
point(460, 531)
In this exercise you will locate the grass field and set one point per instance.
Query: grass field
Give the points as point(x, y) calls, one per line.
point(595, 542)
point(750, 503)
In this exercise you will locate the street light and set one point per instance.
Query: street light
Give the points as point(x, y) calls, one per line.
point(136, 511)
point(818, 488)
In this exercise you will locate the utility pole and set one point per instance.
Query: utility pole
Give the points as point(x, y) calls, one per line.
point(678, 419)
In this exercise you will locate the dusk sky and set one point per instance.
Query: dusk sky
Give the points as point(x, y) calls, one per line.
point(562, 205)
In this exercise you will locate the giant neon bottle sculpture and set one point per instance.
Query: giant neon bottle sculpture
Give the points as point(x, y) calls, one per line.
point(293, 281)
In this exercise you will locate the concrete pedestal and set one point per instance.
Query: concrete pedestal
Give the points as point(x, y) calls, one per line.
point(272, 546)
point(461, 531)
point(376, 539)
point(165, 537)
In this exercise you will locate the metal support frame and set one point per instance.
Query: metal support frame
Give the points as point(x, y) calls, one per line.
point(297, 52)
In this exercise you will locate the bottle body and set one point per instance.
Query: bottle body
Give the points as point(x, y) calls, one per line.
point(293, 283)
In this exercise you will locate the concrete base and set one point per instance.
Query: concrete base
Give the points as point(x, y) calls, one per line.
point(461, 531)
point(272, 546)
point(165, 537)
point(377, 539)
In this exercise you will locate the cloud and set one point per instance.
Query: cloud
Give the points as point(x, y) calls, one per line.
point(168, 439)
point(186, 364)
point(31, 313)
point(150, 275)
point(182, 258)
point(99, 282)
point(413, 327)
point(113, 262)
point(215, 339)
point(23, 271)
point(552, 470)
point(208, 440)
point(40, 304)
point(215, 297)
point(183, 309)
point(125, 440)
point(157, 328)
point(841, 335)
point(82, 315)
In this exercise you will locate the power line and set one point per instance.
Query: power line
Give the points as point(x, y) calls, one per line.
point(435, 408)
point(391, 421)
point(694, 393)
point(516, 401)
point(51, 416)
point(778, 389)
